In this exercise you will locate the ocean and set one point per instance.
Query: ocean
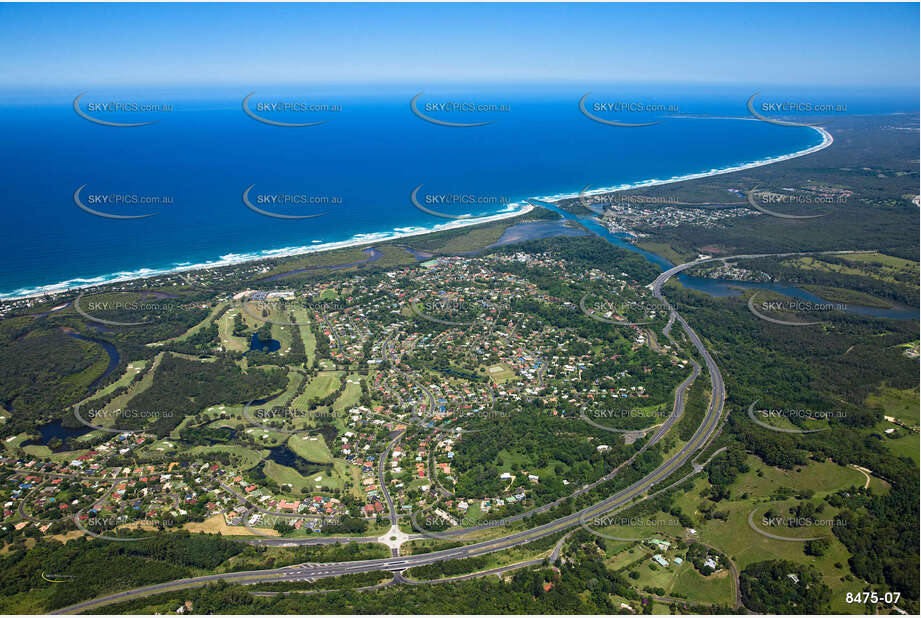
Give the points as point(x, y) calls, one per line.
point(357, 169)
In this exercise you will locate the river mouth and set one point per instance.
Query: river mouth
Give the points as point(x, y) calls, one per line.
point(726, 287)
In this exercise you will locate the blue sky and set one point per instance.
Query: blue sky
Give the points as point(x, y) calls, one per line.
point(808, 44)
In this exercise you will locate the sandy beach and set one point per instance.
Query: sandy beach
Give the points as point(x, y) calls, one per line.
point(827, 141)
point(515, 209)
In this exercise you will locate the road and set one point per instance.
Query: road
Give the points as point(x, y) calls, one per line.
point(382, 460)
point(638, 490)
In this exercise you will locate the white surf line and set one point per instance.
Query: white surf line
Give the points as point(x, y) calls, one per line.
point(518, 208)
point(827, 140)
point(369, 238)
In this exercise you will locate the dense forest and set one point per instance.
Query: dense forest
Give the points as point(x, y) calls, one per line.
point(768, 588)
point(185, 387)
point(825, 369)
point(45, 370)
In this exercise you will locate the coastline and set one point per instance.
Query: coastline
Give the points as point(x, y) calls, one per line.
point(513, 210)
point(232, 259)
point(827, 141)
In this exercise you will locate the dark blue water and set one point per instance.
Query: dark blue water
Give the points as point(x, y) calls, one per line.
point(57, 430)
point(272, 345)
point(728, 287)
point(371, 155)
point(284, 456)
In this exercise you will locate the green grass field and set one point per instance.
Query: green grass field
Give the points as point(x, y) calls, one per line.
point(325, 258)
point(131, 370)
point(225, 332)
point(716, 589)
point(638, 528)
point(325, 383)
point(906, 446)
point(682, 581)
point(875, 265)
point(843, 295)
point(283, 475)
point(303, 321)
point(500, 373)
point(883, 261)
point(666, 251)
point(350, 396)
point(284, 335)
point(901, 404)
point(140, 386)
point(245, 458)
point(745, 546)
point(311, 448)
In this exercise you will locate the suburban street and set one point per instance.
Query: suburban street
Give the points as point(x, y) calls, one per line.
point(621, 498)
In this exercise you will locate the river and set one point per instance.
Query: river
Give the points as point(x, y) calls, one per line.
point(725, 287)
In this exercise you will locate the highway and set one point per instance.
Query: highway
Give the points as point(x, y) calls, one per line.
point(638, 490)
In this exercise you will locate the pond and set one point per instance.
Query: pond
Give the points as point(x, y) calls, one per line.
point(272, 345)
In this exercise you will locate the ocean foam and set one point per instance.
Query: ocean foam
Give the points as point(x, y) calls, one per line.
point(511, 210)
